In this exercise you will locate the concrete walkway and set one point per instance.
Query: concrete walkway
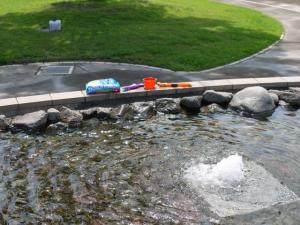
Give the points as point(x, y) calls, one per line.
point(283, 59)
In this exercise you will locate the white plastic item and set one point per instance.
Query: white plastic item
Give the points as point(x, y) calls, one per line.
point(54, 25)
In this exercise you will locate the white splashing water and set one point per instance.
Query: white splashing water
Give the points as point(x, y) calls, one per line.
point(227, 172)
point(234, 186)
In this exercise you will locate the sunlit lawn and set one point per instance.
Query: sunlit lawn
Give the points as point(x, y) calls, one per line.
point(175, 34)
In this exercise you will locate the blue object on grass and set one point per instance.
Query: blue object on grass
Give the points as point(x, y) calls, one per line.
point(102, 86)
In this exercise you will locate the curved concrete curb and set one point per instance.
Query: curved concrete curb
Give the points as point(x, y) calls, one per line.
point(79, 99)
point(100, 62)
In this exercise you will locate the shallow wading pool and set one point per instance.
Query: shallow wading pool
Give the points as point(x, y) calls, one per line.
point(161, 171)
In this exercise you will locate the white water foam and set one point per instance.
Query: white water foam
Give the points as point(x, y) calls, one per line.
point(234, 187)
point(226, 172)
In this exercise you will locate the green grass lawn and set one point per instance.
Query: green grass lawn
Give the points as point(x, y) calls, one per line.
point(176, 34)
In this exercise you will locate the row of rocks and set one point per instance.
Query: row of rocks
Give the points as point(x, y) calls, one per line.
point(252, 101)
point(68, 118)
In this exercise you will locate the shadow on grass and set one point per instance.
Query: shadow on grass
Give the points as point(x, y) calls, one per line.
point(126, 31)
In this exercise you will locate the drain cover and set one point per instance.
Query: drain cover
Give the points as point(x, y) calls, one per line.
point(55, 70)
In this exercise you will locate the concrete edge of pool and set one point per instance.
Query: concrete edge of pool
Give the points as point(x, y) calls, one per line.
point(19, 105)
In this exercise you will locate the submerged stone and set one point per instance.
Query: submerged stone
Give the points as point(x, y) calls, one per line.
point(89, 113)
point(167, 106)
point(144, 110)
point(57, 127)
point(85, 198)
point(295, 89)
point(126, 112)
point(137, 110)
point(4, 123)
point(283, 103)
point(71, 117)
point(104, 113)
point(91, 123)
point(212, 108)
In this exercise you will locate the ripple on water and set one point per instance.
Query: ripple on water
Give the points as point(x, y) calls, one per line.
point(133, 173)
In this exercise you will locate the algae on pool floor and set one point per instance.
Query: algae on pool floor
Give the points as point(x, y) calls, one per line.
point(133, 172)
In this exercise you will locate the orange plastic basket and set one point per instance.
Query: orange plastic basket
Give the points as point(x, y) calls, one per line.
point(149, 83)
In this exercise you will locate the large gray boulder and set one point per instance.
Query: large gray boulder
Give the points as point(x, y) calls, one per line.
point(53, 115)
point(91, 123)
point(31, 121)
point(290, 96)
point(220, 98)
point(71, 117)
point(56, 127)
point(4, 123)
point(167, 106)
point(212, 108)
point(191, 103)
point(253, 101)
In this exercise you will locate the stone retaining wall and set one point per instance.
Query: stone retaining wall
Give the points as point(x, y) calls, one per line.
point(79, 99)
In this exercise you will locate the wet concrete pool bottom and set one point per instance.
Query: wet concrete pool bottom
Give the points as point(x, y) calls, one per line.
point(132, 172)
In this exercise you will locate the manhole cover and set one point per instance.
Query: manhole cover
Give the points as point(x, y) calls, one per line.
point(55, 70)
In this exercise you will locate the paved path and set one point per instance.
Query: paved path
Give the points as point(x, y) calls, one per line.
point(281, 60)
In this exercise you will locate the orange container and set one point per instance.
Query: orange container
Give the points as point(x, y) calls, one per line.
point(149, 83)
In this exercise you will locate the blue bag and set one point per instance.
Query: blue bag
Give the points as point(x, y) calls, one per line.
point(102, 86)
